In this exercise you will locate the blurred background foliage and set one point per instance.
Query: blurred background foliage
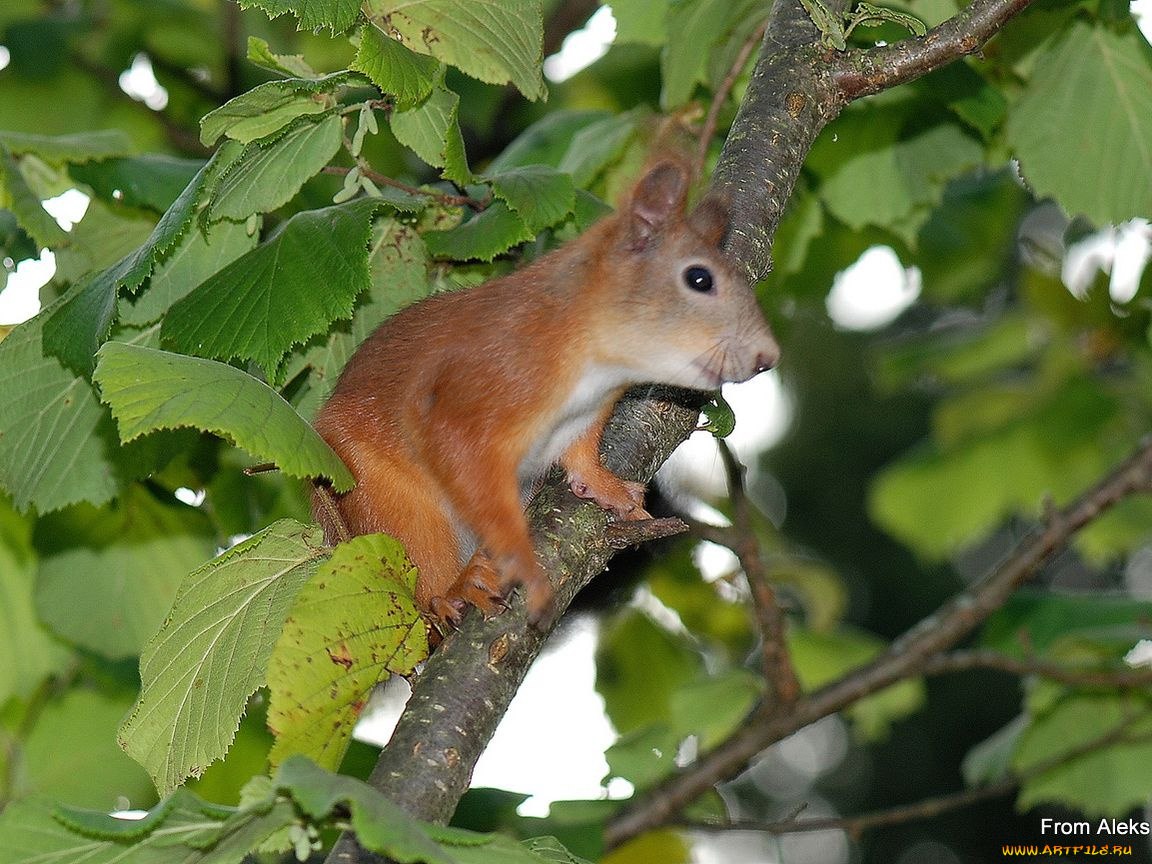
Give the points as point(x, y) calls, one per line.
point(928, 410)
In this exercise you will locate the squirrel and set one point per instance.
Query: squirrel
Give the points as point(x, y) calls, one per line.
point(453, 407)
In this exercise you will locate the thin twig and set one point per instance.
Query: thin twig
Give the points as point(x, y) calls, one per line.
point(930, 807)
point(961, 661)
point(904, 658)
point(864, 71)
point(719, 98)
point(783, 686)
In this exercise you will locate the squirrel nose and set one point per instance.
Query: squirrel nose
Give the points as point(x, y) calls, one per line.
point(765, 360)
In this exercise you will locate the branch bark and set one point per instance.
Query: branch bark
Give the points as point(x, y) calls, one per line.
point(906, 657)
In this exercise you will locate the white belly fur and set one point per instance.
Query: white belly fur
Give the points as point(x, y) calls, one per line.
point(572, 419)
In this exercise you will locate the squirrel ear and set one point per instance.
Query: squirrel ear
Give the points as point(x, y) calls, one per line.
point(657, 198)
point(711, 220)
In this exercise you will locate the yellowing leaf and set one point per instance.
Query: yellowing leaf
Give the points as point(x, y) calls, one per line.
point(352, 625)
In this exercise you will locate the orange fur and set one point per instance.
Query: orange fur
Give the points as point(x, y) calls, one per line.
point(449, 411)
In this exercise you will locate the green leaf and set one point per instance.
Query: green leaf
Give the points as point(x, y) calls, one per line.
point(269, 107)
point(267, 301)
point(379, 824)
point(714, 706)
point(200, 253)
point(271, 170)
point(73, 149)
point(153, 181)
point(640, 21)
point(496, 41)
point(546, 141)
point(432, 131)
point(336, 15)
point(539, 195)
point(108, 576)
point(57, 444)
point(288, 65)
point(598, 145)
point(1031, 621)
point(990, 761)
point(490, 233)
point(75, 327)
point(1050, 444)
point(212, 652)
point(820, 658)
point(1089, 105)
point(32, 654)
point(875, 172)
point(720, 416)
point(399, 263)
point(149, 389)
point(19, 197)
point(394, 68)
point(354, 624)
point(694, 26)
point(71, 753)
point(644, 756)
point(639, 666)
point(1104, 782)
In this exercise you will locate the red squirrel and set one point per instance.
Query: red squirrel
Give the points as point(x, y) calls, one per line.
point(453, 407)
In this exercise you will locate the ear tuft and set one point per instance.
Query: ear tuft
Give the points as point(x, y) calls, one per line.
point(658, 197)
point(711, 220)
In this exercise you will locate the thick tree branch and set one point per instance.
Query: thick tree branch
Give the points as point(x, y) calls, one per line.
point(470, 679)
point(862, 72)
point(906, 657)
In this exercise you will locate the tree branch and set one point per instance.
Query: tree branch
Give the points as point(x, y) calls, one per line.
point(469, 681)
point(929, 807)
point(862, 72)
point(904, 658)
point(961, 661)
point(782, 687)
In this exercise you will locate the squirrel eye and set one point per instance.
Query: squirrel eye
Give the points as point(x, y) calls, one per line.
point(699, 279)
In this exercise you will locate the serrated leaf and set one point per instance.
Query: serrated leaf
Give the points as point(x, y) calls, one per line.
point(270, 171)
point(1104, 782)
point(57, 444)
point(395, 69)
point(108, 576)
point(539, 195)
point(200, 253)
point(354, 624)
point(1083, 126)
point(149, 389)
point(432, 131)
point(379, 824)
point(399, 265)
point(75, 327)
point(269, 300)
point(75, 149)
point(488, 234)
point(335, 15)
point(212, 652)
point(288, 65)
point(271, 106)
point(496, 41)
